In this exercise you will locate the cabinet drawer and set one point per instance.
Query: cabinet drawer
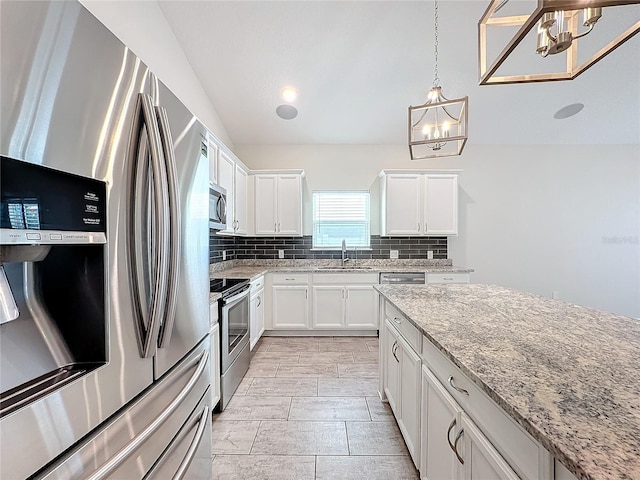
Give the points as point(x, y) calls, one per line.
point(345, 278)
point(448, 278)
point(404, 326)
point(290, 279)
point(524, 454)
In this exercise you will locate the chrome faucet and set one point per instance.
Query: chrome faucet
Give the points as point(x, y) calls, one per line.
point(344, 252)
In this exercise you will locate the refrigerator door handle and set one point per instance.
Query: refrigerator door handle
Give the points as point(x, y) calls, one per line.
point(130, 448)
point(154, 278)
point(193, 446)
point(172, 247)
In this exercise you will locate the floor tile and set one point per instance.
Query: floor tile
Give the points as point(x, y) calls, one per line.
point(388, 439)
point(265, 356)
point(365, 468)
point(244, 386)
point(347, 387)
point(380, 411)
point(293, 347)
point(284, 387)
point(373, 348)
point(365, 357)
point(323, 370)
point(343, 347)
point(358, 340)
point(308, 340)
point(301, 438)
point(257, 369)
point(358, 370)
point(254, 407)
point(329, 408)
point(233, 437)
point(263, 467)
point(314, 358)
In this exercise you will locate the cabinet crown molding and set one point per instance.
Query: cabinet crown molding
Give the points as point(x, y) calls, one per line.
point(279, 171)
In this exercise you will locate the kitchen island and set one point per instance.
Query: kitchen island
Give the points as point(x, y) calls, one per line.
point(568, 375)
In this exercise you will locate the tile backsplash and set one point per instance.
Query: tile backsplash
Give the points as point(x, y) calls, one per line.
point(254, 248)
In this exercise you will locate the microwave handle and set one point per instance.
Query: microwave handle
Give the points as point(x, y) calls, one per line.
point(221, 208)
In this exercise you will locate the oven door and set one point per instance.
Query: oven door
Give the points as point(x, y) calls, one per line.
point(234, 326)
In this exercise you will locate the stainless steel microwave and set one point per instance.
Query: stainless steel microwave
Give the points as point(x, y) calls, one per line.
point(217, 207)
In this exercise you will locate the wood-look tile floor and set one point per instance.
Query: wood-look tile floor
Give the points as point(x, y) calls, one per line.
point(308, 409)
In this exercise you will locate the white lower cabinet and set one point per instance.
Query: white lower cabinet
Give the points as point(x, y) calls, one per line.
point(361, 307)
point(481, 460)
point(256, 317)
point(290, 301)
point(328, 306)
point(402, 387)
point(440, 417)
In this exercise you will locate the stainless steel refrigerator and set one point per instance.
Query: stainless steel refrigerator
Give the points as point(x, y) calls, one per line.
point(109, 376)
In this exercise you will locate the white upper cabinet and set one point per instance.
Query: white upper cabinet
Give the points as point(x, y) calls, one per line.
point(212, 152)
point(234, 178)
point(241, 196)
point(278, 204)
point(419, 202)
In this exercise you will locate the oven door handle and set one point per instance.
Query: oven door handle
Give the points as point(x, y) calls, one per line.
point(231, 300)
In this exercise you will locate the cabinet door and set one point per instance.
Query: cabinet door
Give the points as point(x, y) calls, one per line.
point(440, 425)
point(392, 372)
point(481, 460)
point(361, 307)
point(215, 365)
point(328, 306)
point(410, 390)
point(441, 204)
point(266, 204)
point(260, 315)
point(403, 209)
point(213, 162)
point(241, 192)
point(226, 168)
point(253, 315)
point(289, 202)
point(290, 306)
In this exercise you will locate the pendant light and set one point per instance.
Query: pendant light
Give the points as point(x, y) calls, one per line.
point(437, 128)
point(551, 30)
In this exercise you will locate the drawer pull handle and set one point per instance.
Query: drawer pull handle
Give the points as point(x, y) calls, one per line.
point(455, 446)
point(394, 348)
point(289, 279)
point(395, 319)
point(447, 278)
point(451, 425)
point(461, 390)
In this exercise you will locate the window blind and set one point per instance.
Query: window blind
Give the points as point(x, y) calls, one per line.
point(339, 215)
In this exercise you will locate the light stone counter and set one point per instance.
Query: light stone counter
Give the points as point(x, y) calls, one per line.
point(253, 269)
point(569, 375)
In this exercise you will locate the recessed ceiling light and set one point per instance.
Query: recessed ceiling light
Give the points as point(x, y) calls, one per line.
point(289, 94)
point(568, 111)
point(287, 112)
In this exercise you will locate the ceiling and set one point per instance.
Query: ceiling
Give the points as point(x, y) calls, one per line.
point(358, 65)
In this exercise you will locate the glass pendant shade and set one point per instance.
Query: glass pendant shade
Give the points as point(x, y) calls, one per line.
point(550, 40)
point(438, 128)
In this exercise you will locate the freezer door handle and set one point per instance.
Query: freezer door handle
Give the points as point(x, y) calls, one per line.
point(130, 448)
point(193, 446)
point(147, 230)
point(172, 248)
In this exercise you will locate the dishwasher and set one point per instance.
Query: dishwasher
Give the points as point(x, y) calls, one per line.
point(402, 278)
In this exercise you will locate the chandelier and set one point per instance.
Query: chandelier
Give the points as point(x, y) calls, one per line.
point(552, 28)
point(437, 128)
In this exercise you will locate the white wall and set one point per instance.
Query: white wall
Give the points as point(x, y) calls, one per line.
point(534, 217)
point(141, 26)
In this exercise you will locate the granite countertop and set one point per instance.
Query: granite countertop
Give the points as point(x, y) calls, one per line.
point(318, 266)
point(569, 375)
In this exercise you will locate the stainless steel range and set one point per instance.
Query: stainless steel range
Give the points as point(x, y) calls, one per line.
point(234, 333)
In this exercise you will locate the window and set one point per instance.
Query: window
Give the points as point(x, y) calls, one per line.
point(338, 216)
